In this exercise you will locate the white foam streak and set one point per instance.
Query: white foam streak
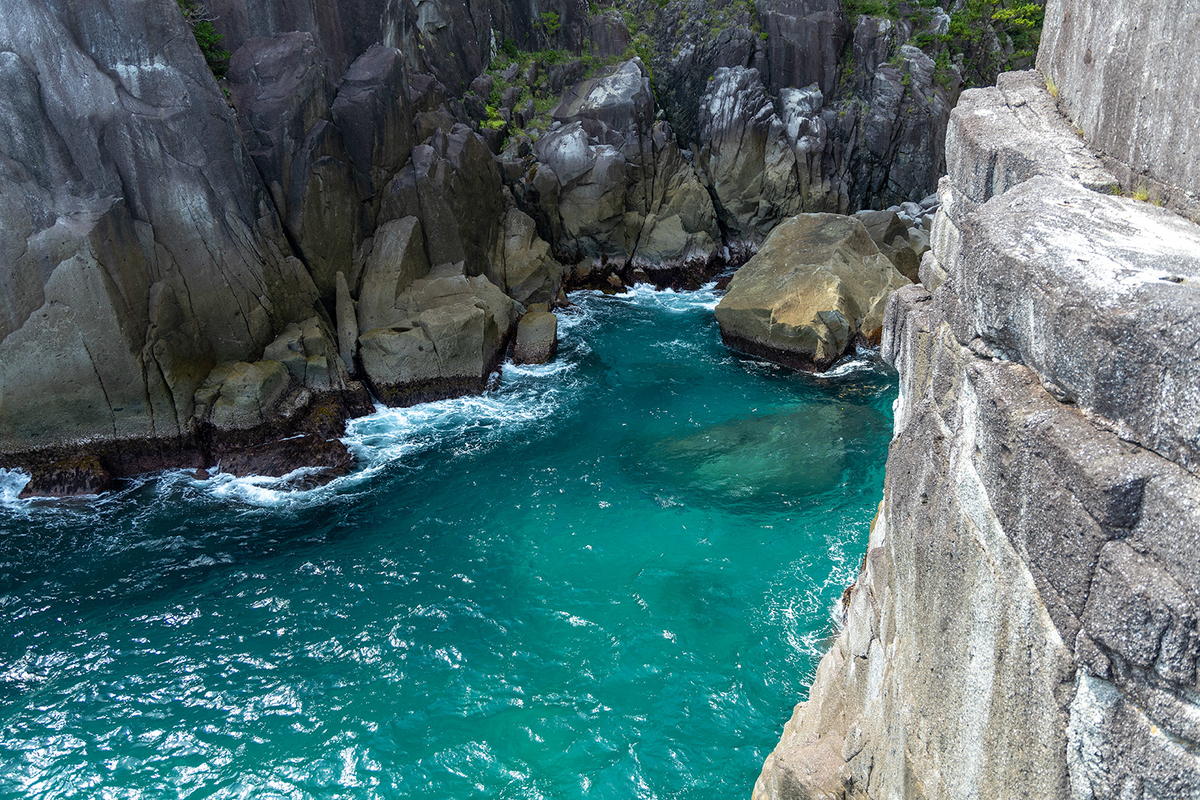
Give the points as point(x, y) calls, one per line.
point(863, 360)
point(12, 481)
point(646, 296)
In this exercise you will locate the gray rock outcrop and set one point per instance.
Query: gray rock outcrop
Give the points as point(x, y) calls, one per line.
point(1025, 621)
point(612, 185)
point(902, 245)
point(452, 184)
point(817, 284)
point(1110, 83)
point(745, 156)
point(530, 273)
point(278, 86)
point(443, 337)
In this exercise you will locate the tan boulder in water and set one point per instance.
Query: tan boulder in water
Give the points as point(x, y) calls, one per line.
point(449, 332)
point(537, 338)
point(818, 283)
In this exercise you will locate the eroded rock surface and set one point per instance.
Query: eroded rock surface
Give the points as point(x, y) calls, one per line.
point(1025, 622)
point(611, 184)
point(817, 284)
point(442, 338)
point(537, 338)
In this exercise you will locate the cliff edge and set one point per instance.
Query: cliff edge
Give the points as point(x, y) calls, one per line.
point(1025, 622)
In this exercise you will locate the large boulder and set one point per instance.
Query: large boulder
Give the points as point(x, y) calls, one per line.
point(537, 338)
point(617, 101)
point(243, 395)
point(449, 334)
point(590, 190)
point(308, 350)
point(816, 285)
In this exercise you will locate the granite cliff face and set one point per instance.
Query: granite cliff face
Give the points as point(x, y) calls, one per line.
point(1026, 620)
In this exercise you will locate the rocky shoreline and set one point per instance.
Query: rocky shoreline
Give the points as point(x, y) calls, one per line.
point(215, 269)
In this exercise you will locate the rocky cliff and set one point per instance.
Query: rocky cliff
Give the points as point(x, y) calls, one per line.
point(203, 269)
point(1026, 620)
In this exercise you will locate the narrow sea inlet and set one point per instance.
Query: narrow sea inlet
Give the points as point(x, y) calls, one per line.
point(611, 577)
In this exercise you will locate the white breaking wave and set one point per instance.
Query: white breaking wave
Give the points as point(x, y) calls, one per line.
point(525, 395)
point(646, 296)
point(12, 481)
point(863, 360)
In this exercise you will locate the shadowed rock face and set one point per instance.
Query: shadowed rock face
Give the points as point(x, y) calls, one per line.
point(279, 88)
point(746, 157)
point(611, 184)
point(1025, 622)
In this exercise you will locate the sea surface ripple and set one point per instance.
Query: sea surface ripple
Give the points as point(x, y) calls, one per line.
point(610, 577)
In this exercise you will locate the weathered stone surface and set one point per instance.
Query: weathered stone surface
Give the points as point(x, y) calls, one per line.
point(1119, 77)
point(745, 156)
point(894, 239)
point(613, 185)
point(308, 351)
point(347, 325)
point(67, 477)
point(136, 260)
point(537, 338)
point(1025, 622)
point(530, 272)
point(451, 332)
point(374, 117)
point(609, 34)
point(1098, 296)
point(804, 41)
point(1004, 135)
point(619, 99)
point(397, 259)
point(243, 395)
point(452, 184)
point(816, 285)
point(278, 86)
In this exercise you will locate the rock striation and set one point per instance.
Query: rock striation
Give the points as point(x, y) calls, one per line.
point(141, 252)
point(611, 186)
point(1025, 622)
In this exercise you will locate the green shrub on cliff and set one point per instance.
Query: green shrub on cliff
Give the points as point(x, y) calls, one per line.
point(1017, 26)
point(206, 36)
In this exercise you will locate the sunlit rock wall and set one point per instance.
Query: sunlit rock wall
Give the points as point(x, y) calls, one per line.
point(1025, 624)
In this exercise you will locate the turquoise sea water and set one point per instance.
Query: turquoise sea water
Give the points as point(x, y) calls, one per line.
point(612, 577)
